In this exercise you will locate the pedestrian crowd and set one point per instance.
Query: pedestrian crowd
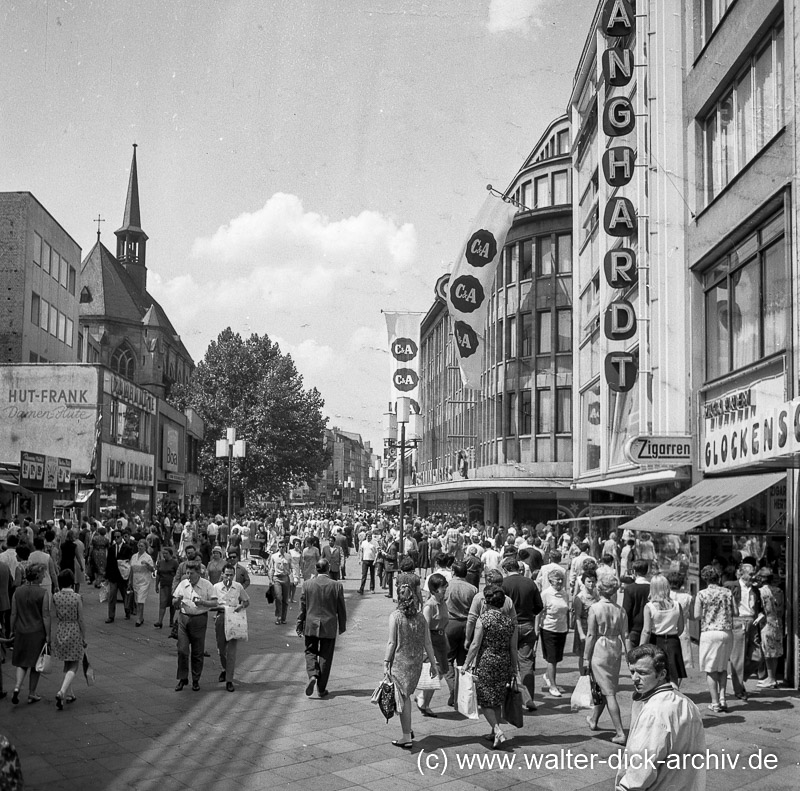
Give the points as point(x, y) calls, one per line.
point(617, 599)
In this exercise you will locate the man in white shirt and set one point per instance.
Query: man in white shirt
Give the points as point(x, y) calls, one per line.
point(229, 594)
point(491, 558)
point(367, 554)
point(576, 569)
point(279, 568)
point(193, 598)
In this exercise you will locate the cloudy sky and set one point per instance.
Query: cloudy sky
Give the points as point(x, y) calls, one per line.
point(303, 164)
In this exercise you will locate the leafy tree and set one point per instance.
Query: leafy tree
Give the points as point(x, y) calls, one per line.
point(249, 385)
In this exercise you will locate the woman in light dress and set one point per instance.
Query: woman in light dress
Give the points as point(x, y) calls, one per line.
point(142, 568)
point(69, 641)
point(774, 604)
point(605, 644)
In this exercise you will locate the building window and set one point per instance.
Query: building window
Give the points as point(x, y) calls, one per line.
point(63, 274)
point(564, 330)
point(563, 142)
point(53, 323)
point(564, 242)
point(512, 264)
point(511, 337)
point(541, 192)
point(526, 261)
point(563, 410)
point(37, 252)
point(44, 314)
point(80, 346)
point(525, 412)
point(525, 194)
point(70, 327)
point(498, 342)
point(544, 411)
point(33, 357)
point(747, 117)
point(62, 327)
point(544, 256)
point(544, 321)
point(35, 308)
point(55, 262)
point(713, 11)
point(748, 301)
point(560, 188)
point(511, 415)
point(123, 362)
point(72, 279)
point(46, 257)
point(526, 348)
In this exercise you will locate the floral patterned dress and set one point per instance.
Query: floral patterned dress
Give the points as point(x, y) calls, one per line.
point(493, 668)
point(68, 643)
point(772, 600)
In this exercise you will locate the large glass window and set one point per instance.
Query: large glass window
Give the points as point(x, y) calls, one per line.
point(564, 330)
point(563, 410)
point(544, 343)
point(512, 264)
point(747, 301)
point(747, 116)
point(511, 337)
point(511, 414)
point(526, 348)
point(123, 361)
point(560, 188)
point(525, 412)
point(564, 253)
point(544, 256)
point(544, 411)
point(526, 262)
point(541, 190)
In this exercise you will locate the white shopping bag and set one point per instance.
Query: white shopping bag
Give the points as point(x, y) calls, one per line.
point(467, 701)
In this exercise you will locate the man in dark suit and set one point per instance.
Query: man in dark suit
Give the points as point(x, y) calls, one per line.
point(117, 580)
point(322, 615)
point(634, 600)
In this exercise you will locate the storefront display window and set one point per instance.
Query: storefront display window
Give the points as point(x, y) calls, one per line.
point(590, 418)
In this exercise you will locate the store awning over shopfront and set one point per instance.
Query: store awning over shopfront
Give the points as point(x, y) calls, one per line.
point(704, 501)
point(15, 488)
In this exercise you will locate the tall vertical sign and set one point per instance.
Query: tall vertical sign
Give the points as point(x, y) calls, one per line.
point(403, 330)
point(619, 217)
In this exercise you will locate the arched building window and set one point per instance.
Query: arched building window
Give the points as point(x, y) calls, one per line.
point(123, 361)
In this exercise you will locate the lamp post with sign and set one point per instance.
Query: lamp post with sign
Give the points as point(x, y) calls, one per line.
point(363, 492)
point(402, 416)
point(376, 473)
point(232, 448)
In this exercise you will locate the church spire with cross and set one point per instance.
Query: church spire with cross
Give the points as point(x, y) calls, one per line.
point(131, 239)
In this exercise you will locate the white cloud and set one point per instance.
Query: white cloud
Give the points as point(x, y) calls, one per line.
point(513, 16)
point(315, 285)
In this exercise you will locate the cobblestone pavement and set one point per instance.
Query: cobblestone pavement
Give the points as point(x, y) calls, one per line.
point(132, 731)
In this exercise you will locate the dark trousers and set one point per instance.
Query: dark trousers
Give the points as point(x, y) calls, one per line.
point(388, 575)
point(740, 668)
point(526, 653)
point(367, 567)
point(113, 588)
point(319, 658)
point(456, 632)
point(191, 639)
point(281, 590)
point(226, 648)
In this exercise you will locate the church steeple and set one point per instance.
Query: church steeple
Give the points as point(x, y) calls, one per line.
point(131, 239)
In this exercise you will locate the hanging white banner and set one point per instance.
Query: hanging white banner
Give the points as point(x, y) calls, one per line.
point(471, 282)
point(403, 329)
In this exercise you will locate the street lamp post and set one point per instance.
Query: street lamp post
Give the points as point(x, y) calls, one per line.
point(363, 492)
point(232, 448)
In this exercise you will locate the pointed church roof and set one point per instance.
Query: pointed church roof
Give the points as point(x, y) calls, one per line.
point(132, 221)
point(116, 297)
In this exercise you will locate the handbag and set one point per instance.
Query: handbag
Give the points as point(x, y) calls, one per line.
point(235, 624)
point(45, 661)
point(582, 695)
point(88, 671)
point(385, 696)
point(426, 681)
point(124, 567)
point(467, 701)
point(104, 592)
point(512, 704)
point(270, 594)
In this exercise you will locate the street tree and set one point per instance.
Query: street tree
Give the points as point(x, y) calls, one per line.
point(248, 384)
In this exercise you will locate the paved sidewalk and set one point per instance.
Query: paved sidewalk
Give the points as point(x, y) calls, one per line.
point(132, 731)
